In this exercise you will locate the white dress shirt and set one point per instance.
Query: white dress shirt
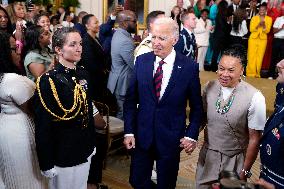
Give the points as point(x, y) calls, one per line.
point(202, 33)
point(256, 111)
point(243, 30)
point(278, 24)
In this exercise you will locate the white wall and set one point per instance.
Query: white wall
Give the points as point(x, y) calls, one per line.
point(92, 7)
point(96, 6)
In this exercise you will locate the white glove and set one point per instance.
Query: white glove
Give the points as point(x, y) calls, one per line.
point(49, 173)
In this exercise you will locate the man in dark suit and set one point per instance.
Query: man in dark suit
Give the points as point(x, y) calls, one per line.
point(233, 7)
point(187, 43)
point(164, 80)
point(272, 142)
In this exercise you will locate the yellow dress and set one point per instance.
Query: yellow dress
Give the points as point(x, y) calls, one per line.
point(257, 45)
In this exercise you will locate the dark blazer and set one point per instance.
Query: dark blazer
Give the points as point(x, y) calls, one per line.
point(78, 26)
point(163, 122)
point(186, 45)
point(221, 35)
point(272, 145)
point(62, 143)
point(106, 33)
point(95, 61)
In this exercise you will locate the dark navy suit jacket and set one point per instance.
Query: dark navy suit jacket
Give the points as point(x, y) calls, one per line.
point(106, 33)
point(186, 45)
point(272, 144)
point(163, 123)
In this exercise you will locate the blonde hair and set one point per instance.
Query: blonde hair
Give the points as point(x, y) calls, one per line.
point(11, 10)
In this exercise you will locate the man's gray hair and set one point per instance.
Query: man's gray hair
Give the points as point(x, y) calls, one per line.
point(173, 26)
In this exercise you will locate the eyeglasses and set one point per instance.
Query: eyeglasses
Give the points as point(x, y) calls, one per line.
point(134, 21)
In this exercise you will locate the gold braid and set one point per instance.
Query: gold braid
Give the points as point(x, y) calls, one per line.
point(80, 98)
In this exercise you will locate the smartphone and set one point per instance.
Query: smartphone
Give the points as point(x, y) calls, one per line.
point(29, 4)
point(120, 2)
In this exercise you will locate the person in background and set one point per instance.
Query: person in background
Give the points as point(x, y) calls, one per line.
point(67, 22)
point(94, 58)
point(150, 132)
point(37, 56)
point(252, 10)
point(212, 16)
point(233, 7)
point(260, 26)
point(180, 4)
point(122, 58)
point(239, 27)
point(43, 21)
point(61, 14)
point(95, 62)
point(199, 6)
point(64, 116)
point(5, 21)
point(54, 23)
point(19, 164)
point(221, 35)
point(202, 32)
point(272, 142)
point(107, 30)
point(273, 11)
point(278, 43)
point(146, 46)
point(175, 15)
point(186, 44)
point(79, 26)
point(236, 114)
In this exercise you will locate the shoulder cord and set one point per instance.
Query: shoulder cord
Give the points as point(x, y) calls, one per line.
point(79, 97)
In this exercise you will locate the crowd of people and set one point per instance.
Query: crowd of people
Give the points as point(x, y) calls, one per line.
point(54, 67)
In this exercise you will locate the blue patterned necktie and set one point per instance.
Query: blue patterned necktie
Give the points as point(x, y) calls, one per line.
point(158, 76)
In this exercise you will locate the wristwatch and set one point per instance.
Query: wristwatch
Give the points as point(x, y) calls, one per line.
point(248, 174)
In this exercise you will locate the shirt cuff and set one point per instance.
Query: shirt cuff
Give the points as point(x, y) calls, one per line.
point(49, 173)
point(190, 139)
point(126, 135)
point(95, 110)
point(112, 17)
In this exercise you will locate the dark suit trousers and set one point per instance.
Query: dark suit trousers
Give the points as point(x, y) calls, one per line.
point(142, 164)
point(96, 167)
point(277, 55)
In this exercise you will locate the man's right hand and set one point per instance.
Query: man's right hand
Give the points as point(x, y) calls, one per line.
point(129, 142)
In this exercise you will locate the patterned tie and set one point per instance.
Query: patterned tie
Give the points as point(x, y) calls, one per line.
point(158, 79)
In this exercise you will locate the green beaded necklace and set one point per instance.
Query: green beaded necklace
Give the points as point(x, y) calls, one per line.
point(227, 106)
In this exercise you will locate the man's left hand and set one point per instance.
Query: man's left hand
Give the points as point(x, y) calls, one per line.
point(188, 145)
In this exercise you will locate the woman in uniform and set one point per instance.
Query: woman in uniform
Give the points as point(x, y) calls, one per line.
point(64, 116)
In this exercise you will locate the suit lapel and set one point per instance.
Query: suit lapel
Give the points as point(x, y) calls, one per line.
point(176, 73)
point(149, 67)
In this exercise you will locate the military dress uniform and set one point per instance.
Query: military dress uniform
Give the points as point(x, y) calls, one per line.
point(272, 144)
point(64, 130)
